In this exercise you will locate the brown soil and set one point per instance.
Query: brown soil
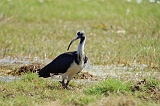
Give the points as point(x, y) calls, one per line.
point(85, 75)
point(35, 67)
point(150, 88)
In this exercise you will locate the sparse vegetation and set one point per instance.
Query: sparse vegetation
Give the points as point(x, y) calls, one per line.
point(32, 90)
point(118, 32)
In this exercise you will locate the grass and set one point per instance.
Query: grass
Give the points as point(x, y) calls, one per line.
point(32, 90)
point(44, 29)
point(111, 85)
point(117, 31)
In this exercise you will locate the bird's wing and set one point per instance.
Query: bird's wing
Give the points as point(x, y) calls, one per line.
point(61, 63)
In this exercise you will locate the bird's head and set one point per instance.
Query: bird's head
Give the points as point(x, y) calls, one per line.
point(79, 35)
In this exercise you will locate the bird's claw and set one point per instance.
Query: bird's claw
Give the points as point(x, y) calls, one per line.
point(64, 85)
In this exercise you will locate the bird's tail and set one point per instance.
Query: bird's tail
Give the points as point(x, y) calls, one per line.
point(44, 73)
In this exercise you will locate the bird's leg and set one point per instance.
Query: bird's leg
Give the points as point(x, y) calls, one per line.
point(63, 84)
point(64, 76)
point(67, 83)
point(68, 80)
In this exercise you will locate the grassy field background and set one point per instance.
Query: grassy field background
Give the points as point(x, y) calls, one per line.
point(117, 31)
point(122, 31)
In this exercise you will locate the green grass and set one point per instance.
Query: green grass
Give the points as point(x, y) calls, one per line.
point(109, 86)
point(32, 90)
point(32, 28)
point(117, 31)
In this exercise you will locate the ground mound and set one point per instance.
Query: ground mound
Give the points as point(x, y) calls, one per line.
point(35, 67)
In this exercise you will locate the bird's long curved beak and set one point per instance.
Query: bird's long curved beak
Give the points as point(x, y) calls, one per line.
point(72, 42)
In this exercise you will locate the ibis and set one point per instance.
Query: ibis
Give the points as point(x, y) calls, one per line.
point(67, 64)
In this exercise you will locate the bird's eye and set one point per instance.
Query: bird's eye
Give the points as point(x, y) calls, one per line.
point(78, 33)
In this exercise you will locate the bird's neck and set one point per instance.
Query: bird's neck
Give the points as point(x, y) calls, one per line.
point(80, 50)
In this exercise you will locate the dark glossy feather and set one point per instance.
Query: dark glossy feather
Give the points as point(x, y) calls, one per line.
point(59, 65)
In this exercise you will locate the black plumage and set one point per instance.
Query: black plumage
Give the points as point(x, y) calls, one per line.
point(69, 63)
point(60, 64)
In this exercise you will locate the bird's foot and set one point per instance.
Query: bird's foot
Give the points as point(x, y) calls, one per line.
point(64, 85)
